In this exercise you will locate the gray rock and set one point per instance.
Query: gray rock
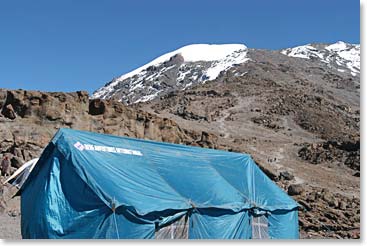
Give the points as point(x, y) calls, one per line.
point(13, 213)
point(286, 175)
point(295, 189)
point(342, 205)
point(312, 197)
point(306, 205)
point(9, 112)
point(330, 199)
point(16, 162)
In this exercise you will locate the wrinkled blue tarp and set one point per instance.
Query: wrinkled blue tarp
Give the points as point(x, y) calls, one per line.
point(89, 185)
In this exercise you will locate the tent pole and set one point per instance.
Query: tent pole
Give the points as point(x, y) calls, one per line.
point(114, 217)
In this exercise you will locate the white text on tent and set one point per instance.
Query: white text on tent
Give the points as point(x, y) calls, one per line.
point(110, 149)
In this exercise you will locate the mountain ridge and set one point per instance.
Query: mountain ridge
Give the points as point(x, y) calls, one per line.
point(342, 54)
point(198, 63)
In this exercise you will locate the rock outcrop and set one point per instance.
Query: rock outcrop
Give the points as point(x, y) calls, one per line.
point(39, 115)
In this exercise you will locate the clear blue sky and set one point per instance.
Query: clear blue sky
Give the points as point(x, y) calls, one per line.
point(70, 45)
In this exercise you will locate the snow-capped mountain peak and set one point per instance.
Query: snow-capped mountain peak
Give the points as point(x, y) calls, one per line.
point(179, 69)
point(340, 55)
point(198, 63)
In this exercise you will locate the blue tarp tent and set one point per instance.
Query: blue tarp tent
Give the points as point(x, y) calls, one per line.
point(90, 185)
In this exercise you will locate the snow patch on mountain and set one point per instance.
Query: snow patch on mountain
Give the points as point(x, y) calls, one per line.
point(341, 55)
point(220, 57)
point(236, 57)
point(349, 55)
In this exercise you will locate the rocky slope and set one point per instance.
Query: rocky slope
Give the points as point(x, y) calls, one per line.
point(298, 117)
point(326, 185)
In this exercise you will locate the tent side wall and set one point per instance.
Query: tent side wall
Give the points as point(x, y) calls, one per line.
point(58, 205)
point(283, 224)
point(219, 224)
point(33, 199)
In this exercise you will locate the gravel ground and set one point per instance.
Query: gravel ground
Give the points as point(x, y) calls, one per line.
point(10, 227)
point(9, 213)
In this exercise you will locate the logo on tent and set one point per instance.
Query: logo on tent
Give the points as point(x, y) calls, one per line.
point(110, 149)
point(79, 146)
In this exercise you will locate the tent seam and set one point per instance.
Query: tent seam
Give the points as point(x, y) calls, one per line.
point(155, 168)
point(211, 165)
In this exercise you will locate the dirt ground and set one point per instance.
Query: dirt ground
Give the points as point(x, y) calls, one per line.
point(9, 212)
point(10, 227)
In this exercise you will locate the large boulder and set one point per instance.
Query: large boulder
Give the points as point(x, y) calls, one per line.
point(295, 189)
point(8, 112)
point(16, 162)
point(97, 106)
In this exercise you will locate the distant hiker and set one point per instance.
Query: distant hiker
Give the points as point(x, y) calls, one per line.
point(5, 166)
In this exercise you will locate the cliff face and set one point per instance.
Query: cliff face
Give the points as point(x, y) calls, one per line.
point(29, 119)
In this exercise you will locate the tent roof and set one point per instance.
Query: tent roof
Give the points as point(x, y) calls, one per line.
point(148, 176)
